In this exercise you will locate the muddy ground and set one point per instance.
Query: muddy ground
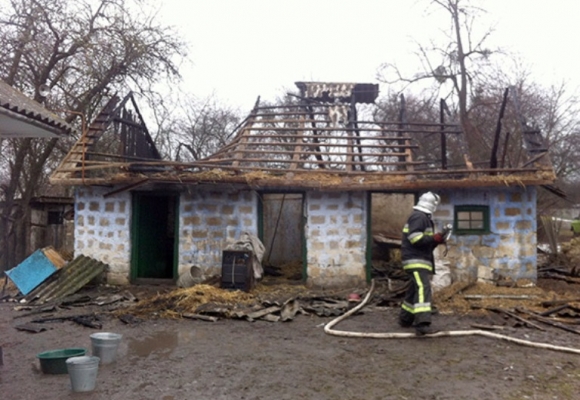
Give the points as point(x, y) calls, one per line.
point(236, 359)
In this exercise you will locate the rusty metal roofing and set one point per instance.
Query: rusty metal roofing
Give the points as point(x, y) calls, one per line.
point(21, 116)
point(67, 280)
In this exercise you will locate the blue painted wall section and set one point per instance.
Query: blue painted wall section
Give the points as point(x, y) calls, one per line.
point(510, 246)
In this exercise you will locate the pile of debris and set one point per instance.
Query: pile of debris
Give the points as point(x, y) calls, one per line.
point(565, 265)
point(63, 309)
point(45, 276)
point(265, 302)
point(522, 304)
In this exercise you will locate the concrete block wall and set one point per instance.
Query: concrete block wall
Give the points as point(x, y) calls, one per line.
point(208, 221)
point(509, 247)
point(336, 238)
point(102, 230)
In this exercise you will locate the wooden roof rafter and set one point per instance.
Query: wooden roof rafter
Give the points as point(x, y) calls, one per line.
point(280, 136)
point(310, 138)
point(132, 141)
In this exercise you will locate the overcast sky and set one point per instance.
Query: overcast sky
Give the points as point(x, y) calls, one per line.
point(242, 49)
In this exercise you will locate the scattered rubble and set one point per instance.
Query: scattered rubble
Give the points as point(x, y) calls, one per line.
point(278, 298)
point(266, 302)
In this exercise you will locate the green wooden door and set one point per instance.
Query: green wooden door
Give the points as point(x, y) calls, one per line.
point(153, 236)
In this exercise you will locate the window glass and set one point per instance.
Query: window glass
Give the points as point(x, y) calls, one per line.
point(463, 225)
point(472, 219)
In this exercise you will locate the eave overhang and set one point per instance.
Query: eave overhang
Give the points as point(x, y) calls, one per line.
point(22, 117)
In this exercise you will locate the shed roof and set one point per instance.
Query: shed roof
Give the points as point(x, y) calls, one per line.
point(21, 116)
point(313, 145)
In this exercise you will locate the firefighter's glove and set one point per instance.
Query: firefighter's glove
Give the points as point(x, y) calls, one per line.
point(439, 238)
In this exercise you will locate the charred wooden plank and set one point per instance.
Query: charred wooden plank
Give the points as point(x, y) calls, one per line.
point(548, 321)
point(201, 317)
point(516, 317)
point(30, 328)
point(129, 319)
point(89, 321)
point(559, 302)
point(61, 318)
point(554, 310)
point(35, 311)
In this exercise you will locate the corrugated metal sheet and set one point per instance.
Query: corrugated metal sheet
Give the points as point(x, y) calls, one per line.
point(13, 101)
point(68, 279)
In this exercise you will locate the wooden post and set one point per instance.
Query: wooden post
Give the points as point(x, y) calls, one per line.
point(443, 138)
point(493, 159)
point(298, 144)
point(408, 157)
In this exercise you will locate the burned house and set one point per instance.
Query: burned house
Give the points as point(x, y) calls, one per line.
point(316, 179)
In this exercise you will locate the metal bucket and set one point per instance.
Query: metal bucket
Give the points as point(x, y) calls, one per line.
point(105, 345)
point(83, 372)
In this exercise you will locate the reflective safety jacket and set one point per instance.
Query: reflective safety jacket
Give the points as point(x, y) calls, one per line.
point(418, 242)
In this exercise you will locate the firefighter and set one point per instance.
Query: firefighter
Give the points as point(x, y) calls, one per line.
point(419, 241)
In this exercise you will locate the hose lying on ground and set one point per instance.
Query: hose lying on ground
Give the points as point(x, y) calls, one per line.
point(399, 335)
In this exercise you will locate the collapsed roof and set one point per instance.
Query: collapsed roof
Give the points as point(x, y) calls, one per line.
point(318, 141)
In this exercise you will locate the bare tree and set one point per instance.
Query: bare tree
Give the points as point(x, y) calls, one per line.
point(83, 51)
point(457, 60)
point(461, 62)
point(205, 127)
point(552, 110)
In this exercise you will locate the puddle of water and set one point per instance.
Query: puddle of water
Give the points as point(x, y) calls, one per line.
point(160, 343)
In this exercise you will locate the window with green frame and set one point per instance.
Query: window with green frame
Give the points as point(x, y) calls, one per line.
point(471, 219)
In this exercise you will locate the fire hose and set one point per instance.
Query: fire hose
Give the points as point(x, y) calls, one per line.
point(400, 335)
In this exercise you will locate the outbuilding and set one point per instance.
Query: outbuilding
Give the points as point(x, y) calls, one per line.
point(316, 179)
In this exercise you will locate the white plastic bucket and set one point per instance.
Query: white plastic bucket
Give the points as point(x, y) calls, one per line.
point(83, 372)
point(191, 277)
point(104, 346)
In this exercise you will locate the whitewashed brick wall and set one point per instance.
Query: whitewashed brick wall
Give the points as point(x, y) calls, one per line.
point(102, 230)
point(208, 221)
point(336, 238)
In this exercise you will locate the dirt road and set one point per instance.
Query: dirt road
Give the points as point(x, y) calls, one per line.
point(233, 359)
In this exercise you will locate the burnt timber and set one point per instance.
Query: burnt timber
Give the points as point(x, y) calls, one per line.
point(315, 143)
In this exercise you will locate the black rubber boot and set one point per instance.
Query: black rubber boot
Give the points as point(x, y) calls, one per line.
point(405, 324)
point(425, 329)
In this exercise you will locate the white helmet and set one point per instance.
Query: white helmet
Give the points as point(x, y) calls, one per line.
point(428, 203)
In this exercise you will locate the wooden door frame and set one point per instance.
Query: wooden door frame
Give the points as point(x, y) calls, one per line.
point(134, 231)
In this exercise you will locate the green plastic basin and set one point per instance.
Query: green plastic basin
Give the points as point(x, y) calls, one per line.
point(54, 361)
